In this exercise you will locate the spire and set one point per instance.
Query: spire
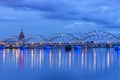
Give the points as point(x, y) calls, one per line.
point(21, 30)
point(21, 35)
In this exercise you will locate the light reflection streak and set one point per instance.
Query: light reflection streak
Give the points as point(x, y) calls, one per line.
point(112, 58)
point(13, 51)
point(40, 57)
point(59, 58)
point(17, 57)
point(70, 59)
point(108, 59)
point(93, 61)
point(21, 60)
point(4, 56)
point(50, 58)
point(82, 58)
point(13, 54)
point(7, 50)
point(32, 58)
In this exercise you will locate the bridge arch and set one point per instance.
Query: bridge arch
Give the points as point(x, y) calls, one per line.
point(63, 37)
point(36, 39)
point(10, 39)
point(98, 36)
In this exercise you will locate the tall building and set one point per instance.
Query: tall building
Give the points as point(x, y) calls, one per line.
point(21, 35)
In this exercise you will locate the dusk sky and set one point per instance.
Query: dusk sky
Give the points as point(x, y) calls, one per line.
point(46, 17)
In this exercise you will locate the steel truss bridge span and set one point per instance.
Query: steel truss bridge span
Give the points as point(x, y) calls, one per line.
point(94, 36)
point(99, 37)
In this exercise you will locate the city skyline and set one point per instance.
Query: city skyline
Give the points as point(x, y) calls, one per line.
point(48, 17)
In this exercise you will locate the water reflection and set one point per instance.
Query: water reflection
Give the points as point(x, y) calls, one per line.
point(59, 58)
point(21, 60)
point(40, 57)
point(86, 59)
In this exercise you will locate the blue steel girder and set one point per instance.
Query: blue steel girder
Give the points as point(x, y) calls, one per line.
point(100, 33)
point(39, 38)
point(11, 39)
point(63, 37)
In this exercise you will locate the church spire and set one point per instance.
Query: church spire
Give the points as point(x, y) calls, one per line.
point(21, 30)
point(21, 35)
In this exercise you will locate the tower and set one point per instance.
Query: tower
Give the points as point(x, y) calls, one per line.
point(21, 35)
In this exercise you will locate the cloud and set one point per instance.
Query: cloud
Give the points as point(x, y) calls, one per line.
point(39, 5)
point(83, 25)
point(99, 11)
point(6, 19)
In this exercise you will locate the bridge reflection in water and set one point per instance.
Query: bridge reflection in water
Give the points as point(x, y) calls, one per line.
point(86, 59)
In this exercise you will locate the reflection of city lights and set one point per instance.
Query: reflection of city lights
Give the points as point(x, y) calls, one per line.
point(16, 56)
point(32, 60)
point(97, 61)
point(82, 58)
point(94, 59)
point(112, 58)
point(70, 59)
point(13, 51)
point(8, 50)
point(59, 58)
point(50, 57)
point(40, 58)
point(21, 60)
point(4, 56)
point(108, 59)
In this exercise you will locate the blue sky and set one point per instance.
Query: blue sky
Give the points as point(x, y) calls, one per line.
point(46, 17)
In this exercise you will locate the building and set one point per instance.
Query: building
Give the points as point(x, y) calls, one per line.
point(21, 35)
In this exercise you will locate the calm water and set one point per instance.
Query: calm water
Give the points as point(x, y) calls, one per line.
point(57, 64)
